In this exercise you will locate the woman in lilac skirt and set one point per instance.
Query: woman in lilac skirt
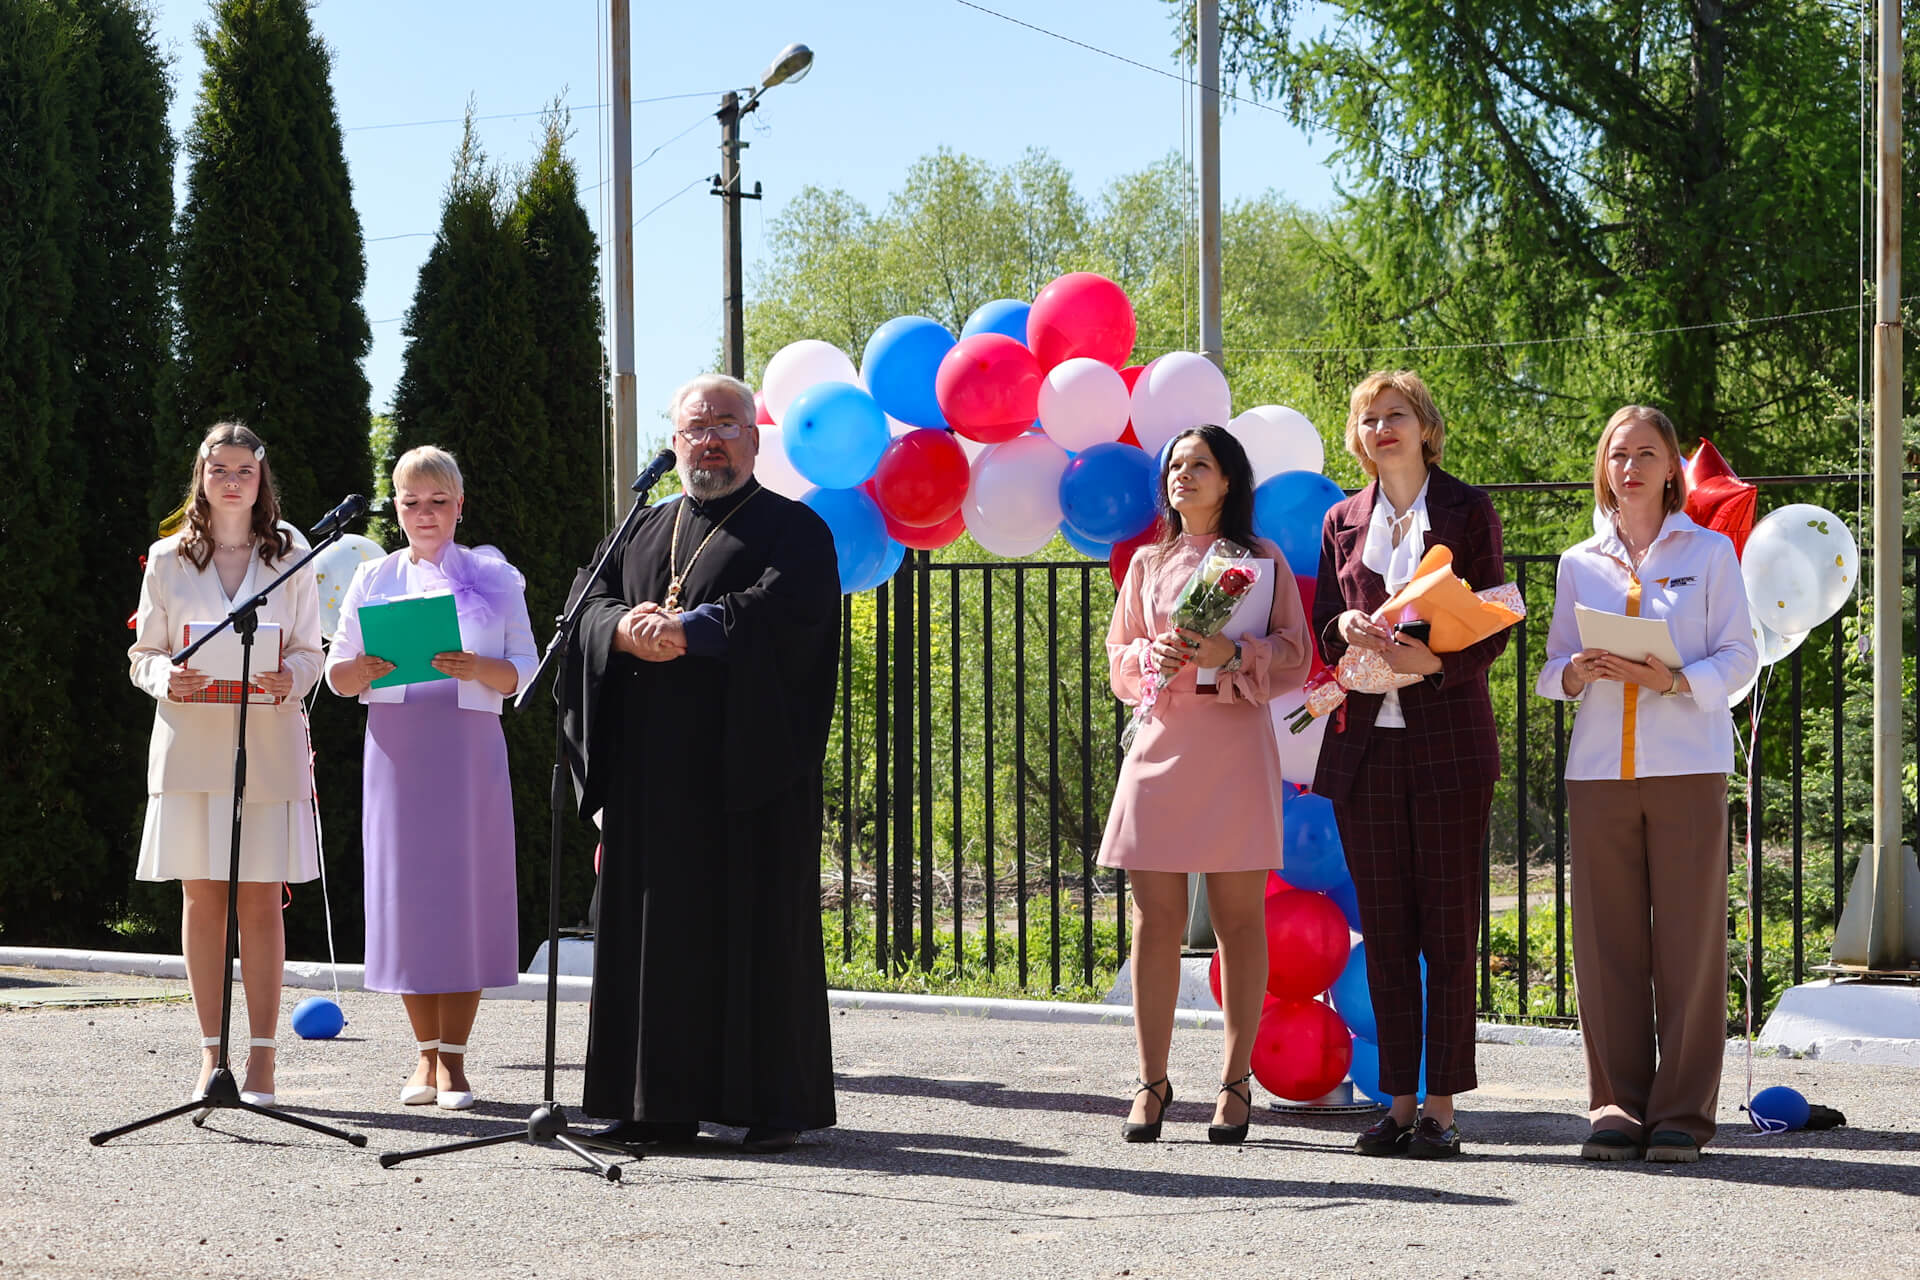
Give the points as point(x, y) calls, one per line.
point(437, 815)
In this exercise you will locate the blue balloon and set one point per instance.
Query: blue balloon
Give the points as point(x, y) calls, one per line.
point(1365, 1073)
point(317, 1018)
point(898, 367)
point(835, 434)
point(890, 563)
point(859, 533)
point(1779, 1109)
point(1352, 998)
point(1091, 548)
point(1106, 492)
point(1348, 900)
point(1002, 315)
point(1288, 509)
point(1310, 851)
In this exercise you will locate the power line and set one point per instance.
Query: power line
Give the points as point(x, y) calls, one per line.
point(669, 200)
point(521, 115)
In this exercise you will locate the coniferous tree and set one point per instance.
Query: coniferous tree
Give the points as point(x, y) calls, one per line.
point(48, 857)
point(115, 341)
point(271, 261)
point(471, 382)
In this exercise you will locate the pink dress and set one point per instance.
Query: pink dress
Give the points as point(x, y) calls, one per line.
point(1200, 790)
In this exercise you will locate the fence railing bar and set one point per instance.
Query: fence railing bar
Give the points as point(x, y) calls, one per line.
point(1799, 826)
point(954, 801)
point(1088, 845)
point(1020, 758)
point(923, 633)
point(1559, 858)
point(848, 819)
point(1053, 776)
point(1523, 704)
point(882, 810)
point(991, 912)
point(903, 766)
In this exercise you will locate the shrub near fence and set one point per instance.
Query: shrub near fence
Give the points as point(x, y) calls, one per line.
point(976, 747)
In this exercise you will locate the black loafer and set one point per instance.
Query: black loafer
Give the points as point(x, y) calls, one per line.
point(765, 1140)
point(1384, 1137)
point(1608, 1145)
point(642, 1133)
point(1430, 1142)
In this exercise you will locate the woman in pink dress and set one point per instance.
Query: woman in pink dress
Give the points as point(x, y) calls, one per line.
point(1200, 789)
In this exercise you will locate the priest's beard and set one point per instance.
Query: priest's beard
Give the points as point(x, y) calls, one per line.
point(708, 483)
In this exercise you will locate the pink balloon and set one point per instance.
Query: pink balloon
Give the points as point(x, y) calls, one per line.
point(1081, 314)
point(1083, 403)
point(1013, 505)
point(760, 415)
point(988, 387)
point(1179, 390)
point(1278, 439)
point(922, 478)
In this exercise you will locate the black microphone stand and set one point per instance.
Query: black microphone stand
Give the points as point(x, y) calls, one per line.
point(548, 1121)
point(222, 1093)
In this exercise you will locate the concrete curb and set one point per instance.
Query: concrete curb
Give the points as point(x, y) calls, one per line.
point(318, 975)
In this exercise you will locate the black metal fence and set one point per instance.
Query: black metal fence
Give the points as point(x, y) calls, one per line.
point(977, 744)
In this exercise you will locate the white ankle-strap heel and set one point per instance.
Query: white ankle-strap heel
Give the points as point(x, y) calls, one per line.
point(453, 1099)
point(419, 1095)
point(254, 1096)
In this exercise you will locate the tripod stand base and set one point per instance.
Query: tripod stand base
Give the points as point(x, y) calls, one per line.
point(547, 1124)
point(224, 1095)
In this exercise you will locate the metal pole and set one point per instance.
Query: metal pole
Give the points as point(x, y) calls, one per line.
point(1873, 931)
point(733, 343)
point(1209, 72)
point(626, 444)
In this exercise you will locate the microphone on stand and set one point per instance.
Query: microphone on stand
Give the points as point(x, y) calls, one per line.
point(354, 507)
point(661, 464)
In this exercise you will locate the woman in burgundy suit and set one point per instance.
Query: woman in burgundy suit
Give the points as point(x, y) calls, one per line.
point(1411, 772)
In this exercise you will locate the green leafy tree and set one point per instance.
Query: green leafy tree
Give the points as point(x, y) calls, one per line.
point(116, 342)
point(48, 855)
point(271, 262)
point(473, 381)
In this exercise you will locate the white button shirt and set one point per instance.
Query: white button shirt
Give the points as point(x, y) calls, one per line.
point(1691, 578)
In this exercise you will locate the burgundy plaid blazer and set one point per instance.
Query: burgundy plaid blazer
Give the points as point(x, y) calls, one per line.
point(1449, 715)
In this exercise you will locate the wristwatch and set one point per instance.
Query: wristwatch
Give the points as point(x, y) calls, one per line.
point(1233, 663)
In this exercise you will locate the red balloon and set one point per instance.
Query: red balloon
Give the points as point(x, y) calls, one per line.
point(1275, 885)
point(1302, 1049)
point(922, 477)
point(1718, 499)
point(1307, 944)
point(1213, 979)
point(1130, 375)
point(988, 386)
point(929, 537)
point(761, 417)
point(1122, 554)
point(1081, 314)
point(1309, 585)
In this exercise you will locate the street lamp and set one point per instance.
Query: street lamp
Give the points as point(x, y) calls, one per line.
point(790, 64)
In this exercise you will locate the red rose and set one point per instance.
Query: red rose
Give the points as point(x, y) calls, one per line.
point(1234, 582)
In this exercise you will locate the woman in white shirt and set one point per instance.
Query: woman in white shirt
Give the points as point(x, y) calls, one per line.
point(437, 811)
point(231, 544)
point(1647, 797)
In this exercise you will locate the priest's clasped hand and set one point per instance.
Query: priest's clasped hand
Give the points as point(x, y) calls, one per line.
point(650, 633)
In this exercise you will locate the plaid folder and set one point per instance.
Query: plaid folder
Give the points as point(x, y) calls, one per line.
point(227, 691)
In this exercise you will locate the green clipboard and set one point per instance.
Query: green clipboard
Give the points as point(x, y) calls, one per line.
point(408, 631)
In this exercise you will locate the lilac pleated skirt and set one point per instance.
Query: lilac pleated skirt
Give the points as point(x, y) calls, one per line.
point(437, 826)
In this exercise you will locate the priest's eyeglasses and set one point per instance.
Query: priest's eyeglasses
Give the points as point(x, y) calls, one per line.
point(718, 430)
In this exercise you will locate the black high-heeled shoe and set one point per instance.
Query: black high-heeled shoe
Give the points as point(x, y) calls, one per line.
point(1150, 1130)
point(1232, 1135)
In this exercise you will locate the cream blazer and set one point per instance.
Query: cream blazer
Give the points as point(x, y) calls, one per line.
point(192, 746)
point(508, 633)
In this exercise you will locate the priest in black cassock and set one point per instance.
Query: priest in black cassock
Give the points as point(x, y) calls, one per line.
point(699, 694)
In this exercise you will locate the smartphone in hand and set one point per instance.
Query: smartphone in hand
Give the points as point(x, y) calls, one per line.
point(1417, 629)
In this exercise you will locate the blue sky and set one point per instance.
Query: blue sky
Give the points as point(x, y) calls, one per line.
point(892, 80)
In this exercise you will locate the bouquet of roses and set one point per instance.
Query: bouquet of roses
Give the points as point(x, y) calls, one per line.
point(1458, 616)
point(1223, 575)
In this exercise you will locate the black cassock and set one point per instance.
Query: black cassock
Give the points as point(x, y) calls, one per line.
point(709, 980)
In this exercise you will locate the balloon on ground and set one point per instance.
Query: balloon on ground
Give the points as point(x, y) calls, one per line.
point(1301, 1050)
point(899, 364)
point(1307, 944)
point(799, 365)
point(1364, 1071)
point(1352, 997)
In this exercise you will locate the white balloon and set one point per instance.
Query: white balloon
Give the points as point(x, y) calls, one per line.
point(1299, 752)
point(772, 467)
point(1800, 566)
point(1014, 497)
point(1179, 390)
point(1773, 646)
point(1278, 439)
point(1083, 403)
point(1014, 546)
point(333, 574)
point(799, 365)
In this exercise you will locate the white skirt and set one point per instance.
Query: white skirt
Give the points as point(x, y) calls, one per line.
point(188, 836)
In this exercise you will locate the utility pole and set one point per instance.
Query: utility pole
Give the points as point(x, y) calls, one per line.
point(727, 187)
point(626, 445)
point(1880, 928)
point(1211, 342)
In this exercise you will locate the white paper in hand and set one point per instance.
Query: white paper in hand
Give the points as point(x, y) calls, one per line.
point(1635, 639)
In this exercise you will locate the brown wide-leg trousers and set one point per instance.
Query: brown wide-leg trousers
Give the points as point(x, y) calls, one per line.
point(1650, 949)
